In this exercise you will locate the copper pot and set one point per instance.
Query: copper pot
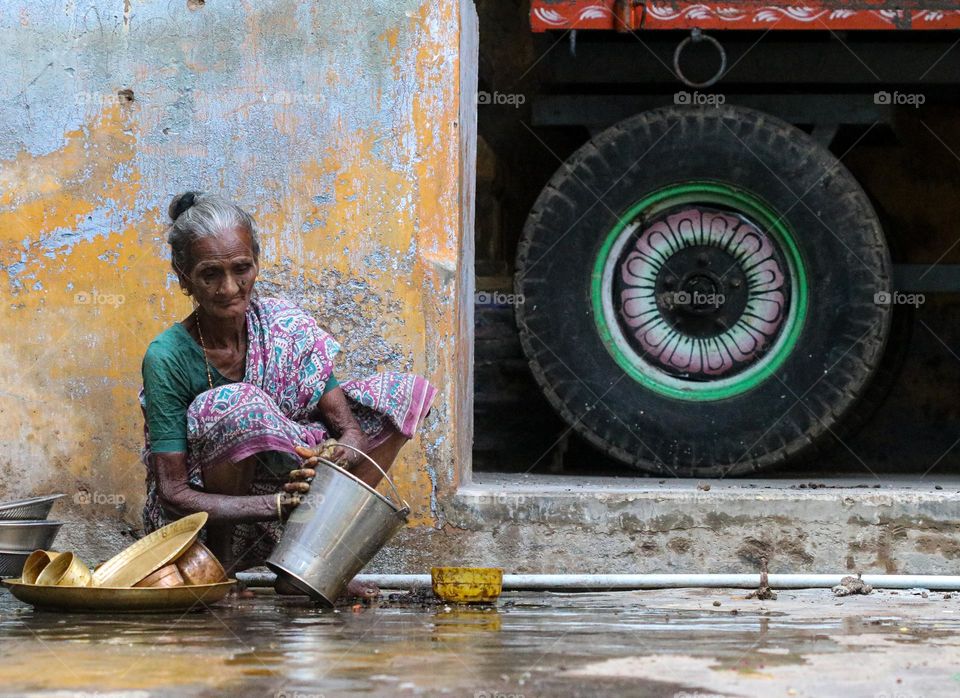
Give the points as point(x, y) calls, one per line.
point(166, 576)
point(199, 566)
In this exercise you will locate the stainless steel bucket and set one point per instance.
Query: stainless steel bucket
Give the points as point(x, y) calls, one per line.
point(335, 531)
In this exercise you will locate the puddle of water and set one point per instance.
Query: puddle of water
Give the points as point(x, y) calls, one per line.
point(525, 646)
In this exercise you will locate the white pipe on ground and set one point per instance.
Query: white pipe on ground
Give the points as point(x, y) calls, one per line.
point(627, 582)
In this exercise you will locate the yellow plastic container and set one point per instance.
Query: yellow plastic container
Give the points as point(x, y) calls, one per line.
point(467, 584)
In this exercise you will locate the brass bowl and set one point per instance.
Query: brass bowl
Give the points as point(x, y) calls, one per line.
point(66, 570)
point(150, 553)
point(35, 564)
point(467, 584)
point(199, 566)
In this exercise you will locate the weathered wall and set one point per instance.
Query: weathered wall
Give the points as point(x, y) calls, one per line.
point(338, 128)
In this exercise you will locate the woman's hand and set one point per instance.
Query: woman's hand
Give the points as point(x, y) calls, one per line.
point(334, 410)
point(336, 450)
point(296, 489)
point(347, 457)
point(299, 482)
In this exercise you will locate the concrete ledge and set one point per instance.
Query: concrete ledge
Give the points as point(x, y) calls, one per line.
point(618, 504)
point(492, 488)
point(555, 524)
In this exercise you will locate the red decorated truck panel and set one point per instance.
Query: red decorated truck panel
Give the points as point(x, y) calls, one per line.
point(627, 15)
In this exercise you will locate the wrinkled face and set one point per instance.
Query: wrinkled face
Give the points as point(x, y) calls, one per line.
point(223, 274)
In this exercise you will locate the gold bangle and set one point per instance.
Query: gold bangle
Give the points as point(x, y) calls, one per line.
point(279, 507)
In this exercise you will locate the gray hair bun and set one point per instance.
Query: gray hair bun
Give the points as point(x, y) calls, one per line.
point(181, 202)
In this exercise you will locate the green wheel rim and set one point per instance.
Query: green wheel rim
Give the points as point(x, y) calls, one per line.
point(705, 193)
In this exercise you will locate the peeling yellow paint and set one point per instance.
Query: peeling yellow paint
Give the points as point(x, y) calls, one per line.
point(390, 37)
point(83, 308)
point(72, 366)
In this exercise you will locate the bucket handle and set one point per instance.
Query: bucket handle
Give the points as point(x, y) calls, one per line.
point(382, 472)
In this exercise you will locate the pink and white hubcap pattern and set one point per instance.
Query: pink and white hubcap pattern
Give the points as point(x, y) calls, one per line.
point(707, 357)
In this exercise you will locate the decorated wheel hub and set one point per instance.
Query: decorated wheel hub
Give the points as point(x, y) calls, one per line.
point(699, 293)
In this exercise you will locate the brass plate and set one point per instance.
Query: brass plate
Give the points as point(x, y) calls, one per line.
point(120, 599)
point(150, 553)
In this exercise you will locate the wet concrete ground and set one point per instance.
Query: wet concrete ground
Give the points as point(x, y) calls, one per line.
point(673, 643)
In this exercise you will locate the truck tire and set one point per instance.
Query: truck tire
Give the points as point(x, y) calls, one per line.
point(700, 292)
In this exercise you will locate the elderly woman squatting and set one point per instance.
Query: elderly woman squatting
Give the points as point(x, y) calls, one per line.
point(239, 396)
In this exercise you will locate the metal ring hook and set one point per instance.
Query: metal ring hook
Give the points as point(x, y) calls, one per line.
point(696, 36)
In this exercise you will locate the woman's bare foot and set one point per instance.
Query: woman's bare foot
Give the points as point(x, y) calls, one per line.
point(362, 590)
point(239, 591)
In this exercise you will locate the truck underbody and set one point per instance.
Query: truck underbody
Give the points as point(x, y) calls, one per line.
point(707, 289)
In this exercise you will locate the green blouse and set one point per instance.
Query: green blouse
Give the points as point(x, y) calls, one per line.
point(174, 373)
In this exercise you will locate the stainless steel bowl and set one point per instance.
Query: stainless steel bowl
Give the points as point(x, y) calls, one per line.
point(11, 564)
point(27, 536)
point(35, 508)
